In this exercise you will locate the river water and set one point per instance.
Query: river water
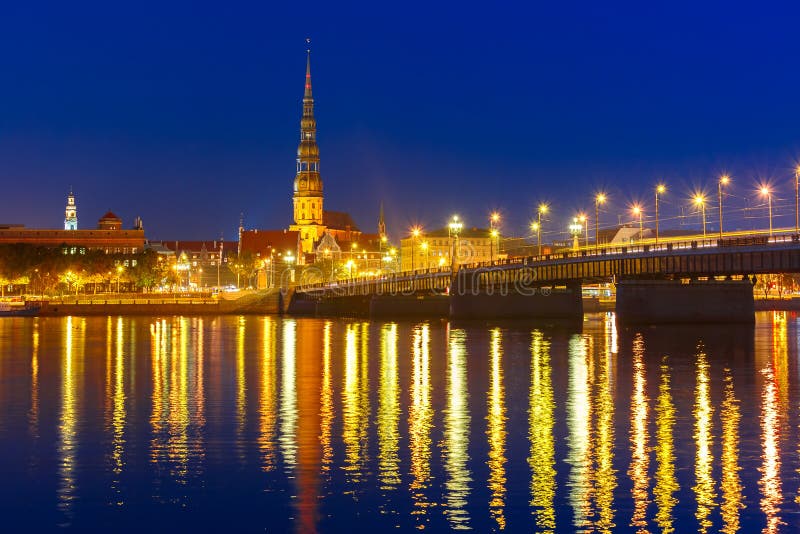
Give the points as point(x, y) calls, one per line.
point(300, 425)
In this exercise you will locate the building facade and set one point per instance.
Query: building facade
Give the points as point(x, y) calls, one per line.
point(71, 213)
point(436, 248)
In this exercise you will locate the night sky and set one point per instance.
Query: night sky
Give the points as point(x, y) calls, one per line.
point(187, 113)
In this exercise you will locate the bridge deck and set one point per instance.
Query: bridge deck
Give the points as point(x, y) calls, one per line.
point(687, 259)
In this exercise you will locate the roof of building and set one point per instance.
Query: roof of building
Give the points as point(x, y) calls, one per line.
point(261, 241)
point(110, 215)
point(197, 246)
point(339, 220)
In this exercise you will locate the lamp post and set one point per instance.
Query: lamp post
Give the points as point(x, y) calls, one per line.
point(723, 180)
point(600, 198)
point(797, 200)
point(575, 229)
point(414, 236)
point(700, 200)
point(582, 220)
point(535, 230)
point(767, 193)
point(424, 247)
point(494, 218)
point(660, 190)
point(453, 230)
point(542, 210)
point(120, 268)
point(637, 210)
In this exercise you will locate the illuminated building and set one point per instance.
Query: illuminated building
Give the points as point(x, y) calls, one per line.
point(311, 221)
point(109, 236)
point(474, 245)
point(71, 213)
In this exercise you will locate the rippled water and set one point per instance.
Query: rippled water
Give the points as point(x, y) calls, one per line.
point(270, 424)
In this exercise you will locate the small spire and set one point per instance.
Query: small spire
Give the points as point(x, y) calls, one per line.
point(307, 94)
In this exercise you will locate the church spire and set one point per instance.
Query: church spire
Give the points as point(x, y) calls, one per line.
point(381, 224)
point(307, 94)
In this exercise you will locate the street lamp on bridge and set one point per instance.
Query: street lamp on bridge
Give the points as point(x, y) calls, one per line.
point(637, 210)
point(542, 210)
point(415, 231)
point(767, 193)
point(723, 180)
point(454, 228)
point(600, 198)
point(700, 200)
point(660, 190)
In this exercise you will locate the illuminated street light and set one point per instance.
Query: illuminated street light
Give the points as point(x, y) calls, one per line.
point(582, 220)
point(542, 209)
point(454, 228)
point(120, 269)
point(424, 246)
point(797, 200)
point(700, 200)
point(660, 190)
point(492, 237)
point(600, 198)
point(575, 229)
point(637, 210)
point(535, 228)
point(415, 231)
point(767, 193)
point(723, 180)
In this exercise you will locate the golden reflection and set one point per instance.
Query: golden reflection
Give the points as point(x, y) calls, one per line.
point(456, 433)
point(705, 494)
point(640, 455)
point(119, 413)
point(780, 359)
point(288, 408)
point(666, 481)
point(388, 411)
point(605, 475)
point(326, 399)
point(33, 415)
point(71, 385)
point(540, 428)
point(241, 391)
point(177, 446)
point(770, 482)
point(496, 432)
point(579, 420)
point(355, 399)
point(420, 416)
point(266, 424)
point(731, 484)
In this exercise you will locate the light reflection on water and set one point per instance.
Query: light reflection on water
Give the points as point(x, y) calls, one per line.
point(306, 424)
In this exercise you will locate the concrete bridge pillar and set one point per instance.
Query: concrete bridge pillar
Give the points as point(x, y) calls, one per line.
point(670, 301)
point(528, 303)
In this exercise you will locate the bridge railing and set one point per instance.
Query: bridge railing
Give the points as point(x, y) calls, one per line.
point(643, 248)
point(413, 278)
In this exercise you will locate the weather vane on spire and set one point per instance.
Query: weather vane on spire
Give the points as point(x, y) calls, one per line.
point(308, 42)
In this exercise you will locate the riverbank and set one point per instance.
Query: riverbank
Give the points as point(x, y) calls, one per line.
point(266, 302)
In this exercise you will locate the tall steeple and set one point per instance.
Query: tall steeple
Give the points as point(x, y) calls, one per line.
point(71, 213)
point(381, 224)
point(307, 198)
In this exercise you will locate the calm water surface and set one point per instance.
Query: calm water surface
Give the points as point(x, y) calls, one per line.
point(269, 424)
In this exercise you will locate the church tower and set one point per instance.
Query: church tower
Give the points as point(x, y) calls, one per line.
point(307, 198)
point(71, 213)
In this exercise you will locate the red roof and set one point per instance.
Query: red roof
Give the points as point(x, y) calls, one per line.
point(262, 242)
point(339, 220)
point(110, 215)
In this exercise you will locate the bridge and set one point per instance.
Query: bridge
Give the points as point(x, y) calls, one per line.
point(698, 278)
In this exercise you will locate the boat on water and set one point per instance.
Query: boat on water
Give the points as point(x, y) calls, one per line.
point(21, 309)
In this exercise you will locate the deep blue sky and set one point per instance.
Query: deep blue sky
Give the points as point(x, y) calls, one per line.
point(187, 113)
